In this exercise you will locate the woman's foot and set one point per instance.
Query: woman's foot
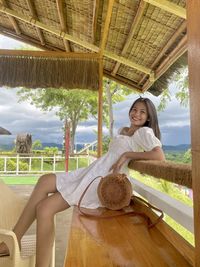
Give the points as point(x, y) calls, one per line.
point(4, 251)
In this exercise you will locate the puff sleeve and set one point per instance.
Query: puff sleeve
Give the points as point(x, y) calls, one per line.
point(145, 139)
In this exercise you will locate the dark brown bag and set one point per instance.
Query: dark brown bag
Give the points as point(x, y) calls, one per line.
point(115, 193)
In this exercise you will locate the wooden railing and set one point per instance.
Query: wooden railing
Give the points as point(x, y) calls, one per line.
point(52, 163)
point(177, 173)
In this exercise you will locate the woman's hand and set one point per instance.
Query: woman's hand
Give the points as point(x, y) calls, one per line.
point(115, 168)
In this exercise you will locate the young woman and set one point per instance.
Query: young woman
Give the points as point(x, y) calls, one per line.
point(139, 141)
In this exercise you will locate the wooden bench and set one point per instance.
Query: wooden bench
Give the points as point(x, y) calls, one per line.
point(125, 242)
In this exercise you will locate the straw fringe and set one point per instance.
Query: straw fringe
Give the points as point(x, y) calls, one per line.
point(176, 173)
point(54, 73)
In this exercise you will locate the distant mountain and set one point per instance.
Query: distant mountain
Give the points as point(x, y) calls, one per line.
point(166, 148)
point(181, 148)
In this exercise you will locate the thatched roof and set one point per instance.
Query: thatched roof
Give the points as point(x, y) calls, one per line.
point(138, 40)
point(3, 131)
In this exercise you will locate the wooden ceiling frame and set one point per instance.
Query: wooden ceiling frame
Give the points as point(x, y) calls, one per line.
point(134, 25)
point(35, 16)
point(63, 23)
point(163, 51)
point(178, 51)
point(12, 20)
point(74, 39)
point(169, 6)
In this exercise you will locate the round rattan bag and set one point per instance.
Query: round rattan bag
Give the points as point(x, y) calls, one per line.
point(115, 191)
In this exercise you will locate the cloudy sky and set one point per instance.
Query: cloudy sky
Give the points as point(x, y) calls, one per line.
point(24, 118)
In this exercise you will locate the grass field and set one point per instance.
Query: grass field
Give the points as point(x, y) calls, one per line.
point(26, 180)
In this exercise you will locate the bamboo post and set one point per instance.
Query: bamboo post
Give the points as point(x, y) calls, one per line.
point(100, 108)
point(67, 145)
point(193, 22)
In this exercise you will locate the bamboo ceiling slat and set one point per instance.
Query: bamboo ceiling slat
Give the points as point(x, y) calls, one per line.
point(28, 40)
point(179, 50)
point(178, 32)
point(135, 23)
point(62, 19)
point(34, 15)
point(12, 20)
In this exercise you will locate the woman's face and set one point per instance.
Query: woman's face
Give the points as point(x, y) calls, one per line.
point(138, 115)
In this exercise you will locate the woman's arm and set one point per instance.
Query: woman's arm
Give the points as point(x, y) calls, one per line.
point(155, 154)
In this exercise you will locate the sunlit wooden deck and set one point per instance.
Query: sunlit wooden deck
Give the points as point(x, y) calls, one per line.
point(123, 241)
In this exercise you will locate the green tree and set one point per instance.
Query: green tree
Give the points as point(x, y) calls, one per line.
point(181, 82)
point(76, 105)
point(70, 105)
point(36, 144)
point(51, 150)
point(113, 94)
point(187, 157)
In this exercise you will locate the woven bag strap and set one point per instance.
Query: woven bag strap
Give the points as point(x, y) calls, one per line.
point(122, 213)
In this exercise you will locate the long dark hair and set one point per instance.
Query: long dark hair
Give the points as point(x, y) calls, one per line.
point(152, 121)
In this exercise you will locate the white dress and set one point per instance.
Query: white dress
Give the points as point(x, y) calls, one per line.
point(72, 184)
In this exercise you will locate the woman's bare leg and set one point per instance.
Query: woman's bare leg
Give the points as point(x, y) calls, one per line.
point(45, 185)
point(46, 210)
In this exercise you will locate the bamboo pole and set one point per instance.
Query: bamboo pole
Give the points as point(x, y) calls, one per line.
point(169, 6)
point(34, 15)
point(106, 27)
point(100, 108)
point(94, 20)
point(63, 23)
point(193, 22)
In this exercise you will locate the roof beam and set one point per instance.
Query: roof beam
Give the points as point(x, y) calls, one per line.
point(34, 15)
point(12, 20)
point(135, 23)
point(127, 62)
point(63, 22)
point(169, 6)
point(106, 27)
point(178, 51)
point(177, 33)
point(121, 80)
point(47, 54)
point(94, 21)
point(74, 39)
